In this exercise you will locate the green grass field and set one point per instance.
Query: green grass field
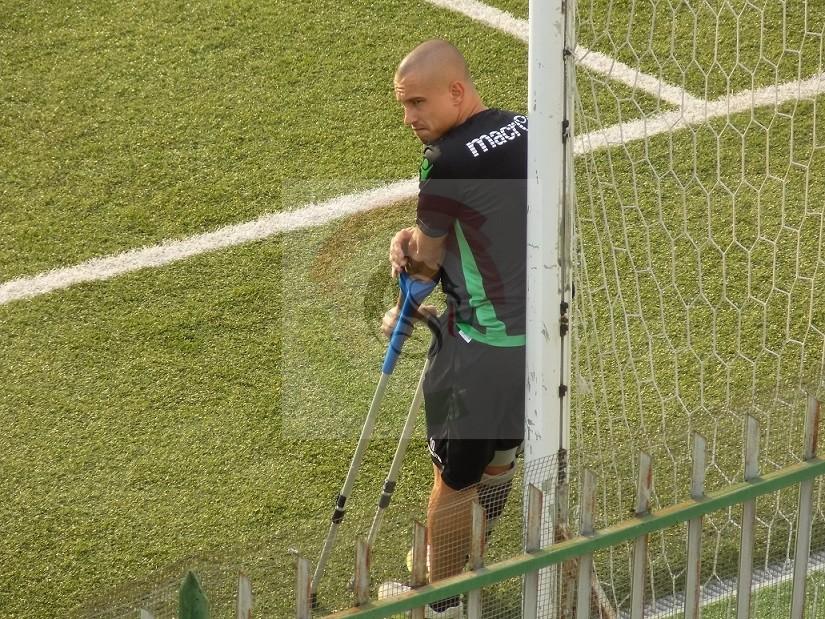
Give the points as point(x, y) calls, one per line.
point(131, 127)
point(204, 413)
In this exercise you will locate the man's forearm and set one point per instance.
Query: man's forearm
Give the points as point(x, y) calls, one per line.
point(425, 255)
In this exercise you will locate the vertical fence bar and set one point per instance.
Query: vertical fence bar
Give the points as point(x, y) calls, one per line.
point(637, 592)
point(588, 516)
point(244, 597)
point(419, 568)
point(803, 530)
point(303, 608)
point(362, 572)
point(694, 543)
point(476, 559)
point(743, 601)
point(567, 573)
point(535, 508)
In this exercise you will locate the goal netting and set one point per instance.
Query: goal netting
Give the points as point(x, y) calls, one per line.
point(700, 270)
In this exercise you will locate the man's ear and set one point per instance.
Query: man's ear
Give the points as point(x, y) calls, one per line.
point(457, 92)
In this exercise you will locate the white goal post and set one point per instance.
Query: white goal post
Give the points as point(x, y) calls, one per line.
point(548, 234)
point(551, 86)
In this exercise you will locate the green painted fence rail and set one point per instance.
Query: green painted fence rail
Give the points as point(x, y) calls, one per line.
point(611, 536)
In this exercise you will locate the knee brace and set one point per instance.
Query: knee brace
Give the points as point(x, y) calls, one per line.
point(493, 491)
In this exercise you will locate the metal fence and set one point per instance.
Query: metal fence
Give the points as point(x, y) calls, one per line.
point(607, 573)
point(576, 586)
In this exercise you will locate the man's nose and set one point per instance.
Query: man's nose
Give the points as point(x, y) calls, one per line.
point(409, 117)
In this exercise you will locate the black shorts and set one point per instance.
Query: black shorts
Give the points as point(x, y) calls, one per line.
point(474, 400)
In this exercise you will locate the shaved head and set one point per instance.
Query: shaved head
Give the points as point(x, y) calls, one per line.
point(439, 59)
point(433, 84)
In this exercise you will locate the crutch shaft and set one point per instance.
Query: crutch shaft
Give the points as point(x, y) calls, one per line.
point(395, 468)
point(340, 506)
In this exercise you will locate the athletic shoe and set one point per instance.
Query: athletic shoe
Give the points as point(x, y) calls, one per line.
point(391, 589)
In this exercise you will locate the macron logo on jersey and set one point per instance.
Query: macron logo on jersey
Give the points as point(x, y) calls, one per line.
point(507, 133)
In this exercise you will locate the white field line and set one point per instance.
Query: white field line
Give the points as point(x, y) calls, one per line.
point(620, 72)
point(320, 214)
point(172, 251)
point(698, 113)
point(589, 59)
point(488, 15)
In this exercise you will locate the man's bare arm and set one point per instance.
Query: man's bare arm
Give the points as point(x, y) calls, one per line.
point(425, 254)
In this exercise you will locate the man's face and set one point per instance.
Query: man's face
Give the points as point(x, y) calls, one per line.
point(430, 105)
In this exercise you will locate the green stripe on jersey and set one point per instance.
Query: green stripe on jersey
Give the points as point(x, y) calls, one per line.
point(495, 333)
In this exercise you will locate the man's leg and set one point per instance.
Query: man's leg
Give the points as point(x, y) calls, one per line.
point(475, 447)
point(449, 525)
point(449, 518)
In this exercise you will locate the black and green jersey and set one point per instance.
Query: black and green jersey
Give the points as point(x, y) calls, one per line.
point(473, 189)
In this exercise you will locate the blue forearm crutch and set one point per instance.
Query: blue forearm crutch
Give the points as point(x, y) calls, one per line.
point(413, 292)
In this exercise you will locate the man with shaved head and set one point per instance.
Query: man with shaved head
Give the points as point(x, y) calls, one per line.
point(470, 234)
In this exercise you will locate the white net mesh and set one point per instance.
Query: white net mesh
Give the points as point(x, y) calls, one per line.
point(700, 274)
point(158, 597)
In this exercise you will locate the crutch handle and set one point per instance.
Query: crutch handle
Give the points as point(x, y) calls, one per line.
point(413, 293)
